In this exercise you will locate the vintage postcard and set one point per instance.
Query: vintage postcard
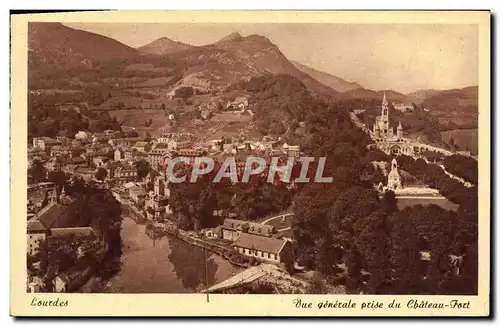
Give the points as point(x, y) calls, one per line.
point(232, 163)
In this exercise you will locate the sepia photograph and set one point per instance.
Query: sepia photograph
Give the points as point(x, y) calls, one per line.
point(254, 158)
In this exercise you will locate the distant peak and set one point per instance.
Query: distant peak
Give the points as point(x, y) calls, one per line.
point(231, 37)
point(259, 38)
point(164, 39)
point(164, 45)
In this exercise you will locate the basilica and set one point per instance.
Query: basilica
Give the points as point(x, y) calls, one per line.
point(392, 143)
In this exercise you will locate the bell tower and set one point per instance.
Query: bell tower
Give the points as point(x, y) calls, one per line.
point(385, 106)
point(385, 116)
point(400, 130)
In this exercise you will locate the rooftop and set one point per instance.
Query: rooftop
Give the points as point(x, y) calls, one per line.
point(76, 232)
point(260, 229)
point(250, 241)
point(50, 213)
point(140, 144)
point(232, 224)
point(34, 224)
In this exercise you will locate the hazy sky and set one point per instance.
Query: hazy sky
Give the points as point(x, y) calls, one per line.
point(400, 57)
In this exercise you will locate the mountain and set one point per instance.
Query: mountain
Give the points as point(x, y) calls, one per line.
point(393, 96)
point(164, 45)
point(419, 96)
point(235, 58)
point(233, 37)
point(454, 108)
point(368, 94)
point(54, 43)
point(336, 83)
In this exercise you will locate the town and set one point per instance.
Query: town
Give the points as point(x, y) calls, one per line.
point(224, 166)
point(134, 171)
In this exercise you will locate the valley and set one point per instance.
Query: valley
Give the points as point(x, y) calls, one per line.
point(113, 119)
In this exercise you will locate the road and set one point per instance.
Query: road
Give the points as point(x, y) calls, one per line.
point(275, 217)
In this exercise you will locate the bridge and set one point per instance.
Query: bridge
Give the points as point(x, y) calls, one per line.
point(254, 273)
point(247, 276)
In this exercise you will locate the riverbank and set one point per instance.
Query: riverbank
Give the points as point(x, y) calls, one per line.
point(157, 230)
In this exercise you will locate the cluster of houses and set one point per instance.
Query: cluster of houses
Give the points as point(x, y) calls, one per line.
point(266, 147)
point(403, 107)
point(85, 154)
point(239, 105)
point(52, 223)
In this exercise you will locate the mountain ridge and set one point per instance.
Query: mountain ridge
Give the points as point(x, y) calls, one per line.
point(235, 58)
point(55, 43)
point(334, 82)
point(455, 108)
point(164, 45)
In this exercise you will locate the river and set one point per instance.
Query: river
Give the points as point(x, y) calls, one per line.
point(167, 265)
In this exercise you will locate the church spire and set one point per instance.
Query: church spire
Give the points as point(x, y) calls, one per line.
point(394, 165)
point(384, 101)
point(400, 126)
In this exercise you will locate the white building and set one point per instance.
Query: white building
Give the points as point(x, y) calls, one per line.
point(394, 179)
point(263, 248)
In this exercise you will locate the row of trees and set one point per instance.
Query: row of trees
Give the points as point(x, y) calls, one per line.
point(462, 166)
point(45, 121)
point(194, 203)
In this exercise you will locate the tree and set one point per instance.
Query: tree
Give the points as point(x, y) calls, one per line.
point(101, 174)
point(59, 178)
point(258, 198)
point(404, 256)
point(389, 203)
point(311, 227)
point(37, 173)
point(354, 263)
point(184, 92)
point(193, 203)
point(373, 244)
point(104, 212)
point(376, 155)
point(77, 151)
point(131, 134)
point(143, 169)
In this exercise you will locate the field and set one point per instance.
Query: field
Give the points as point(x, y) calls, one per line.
point(222, 124)
point(137, 119)
point(464, 138)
